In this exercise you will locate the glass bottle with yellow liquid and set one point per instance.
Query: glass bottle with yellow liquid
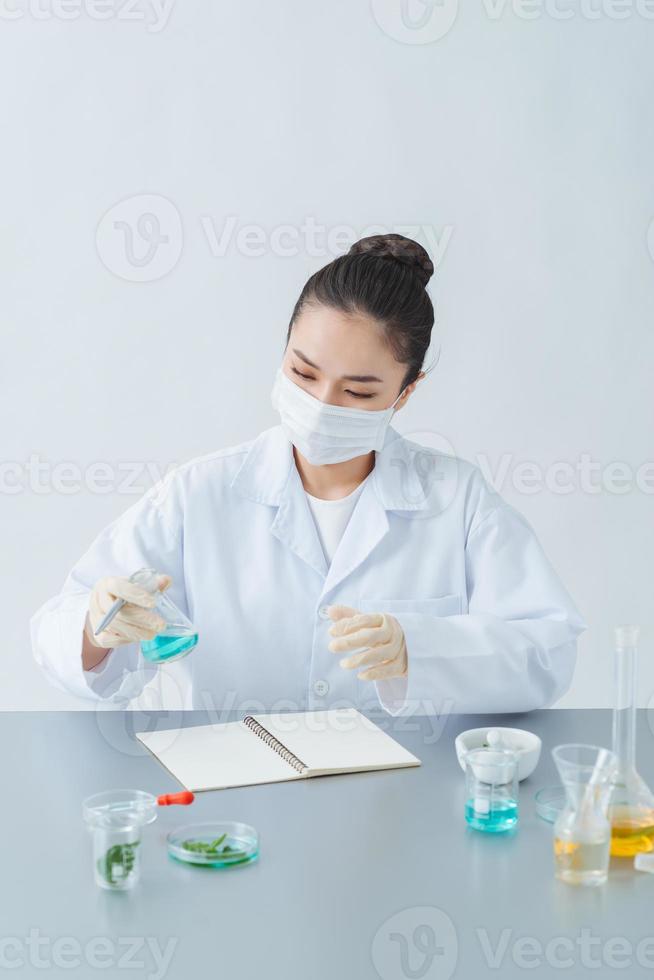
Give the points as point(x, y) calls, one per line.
point(631, 804)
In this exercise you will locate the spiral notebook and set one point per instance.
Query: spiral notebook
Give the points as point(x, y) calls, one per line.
point(275, 748)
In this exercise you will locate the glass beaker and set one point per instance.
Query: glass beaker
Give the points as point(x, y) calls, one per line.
point(115, 819)
point(491, 790)
point(582, 832)
point(631, 807)
point(179, 636)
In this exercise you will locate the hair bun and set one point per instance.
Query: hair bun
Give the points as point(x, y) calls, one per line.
point(399, 248)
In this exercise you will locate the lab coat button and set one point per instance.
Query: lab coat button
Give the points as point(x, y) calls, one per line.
point(322, 612)
point(320, 688)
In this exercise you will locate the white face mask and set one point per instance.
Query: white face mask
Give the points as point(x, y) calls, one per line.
point(327, 433)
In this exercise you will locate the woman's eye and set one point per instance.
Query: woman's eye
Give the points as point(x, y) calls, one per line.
point(307, 377)
point(359, 394)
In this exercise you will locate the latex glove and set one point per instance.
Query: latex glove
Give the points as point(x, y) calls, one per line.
point(385, 653)
point(132, 623)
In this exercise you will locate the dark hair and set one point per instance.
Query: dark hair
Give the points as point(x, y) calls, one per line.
point(383, 277)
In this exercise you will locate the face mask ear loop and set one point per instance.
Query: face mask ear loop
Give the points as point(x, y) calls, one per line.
point(435, 362)
point(397, 399)
point(425, 373)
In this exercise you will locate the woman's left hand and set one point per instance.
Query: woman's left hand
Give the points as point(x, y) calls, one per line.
point(385, 653)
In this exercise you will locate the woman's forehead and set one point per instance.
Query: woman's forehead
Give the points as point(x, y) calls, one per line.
point(342, 343)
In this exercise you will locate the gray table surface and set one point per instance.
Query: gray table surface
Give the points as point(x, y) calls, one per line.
point(359, 875)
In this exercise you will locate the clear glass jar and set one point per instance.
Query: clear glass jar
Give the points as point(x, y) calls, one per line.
point(115, 819)
point(582, 832)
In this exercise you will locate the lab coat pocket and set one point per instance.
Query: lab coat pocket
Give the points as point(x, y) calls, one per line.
point(445, 605)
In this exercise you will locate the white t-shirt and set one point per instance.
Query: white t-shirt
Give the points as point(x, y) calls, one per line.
point(331, 518)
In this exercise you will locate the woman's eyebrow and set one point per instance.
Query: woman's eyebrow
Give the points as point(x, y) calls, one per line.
point(346, 377)
point(303, 357)
point(362, 377)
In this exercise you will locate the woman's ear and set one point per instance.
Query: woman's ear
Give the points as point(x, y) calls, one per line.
point(408, 391)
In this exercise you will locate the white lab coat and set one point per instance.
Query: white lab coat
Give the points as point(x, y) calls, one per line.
point(488, 625)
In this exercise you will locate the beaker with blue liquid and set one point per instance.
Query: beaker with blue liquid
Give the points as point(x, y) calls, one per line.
point(179, 636)
point(491, 790)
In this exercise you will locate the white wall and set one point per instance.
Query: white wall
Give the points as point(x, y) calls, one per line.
point(524, 147)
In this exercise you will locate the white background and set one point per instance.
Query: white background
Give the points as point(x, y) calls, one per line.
point(523, 146)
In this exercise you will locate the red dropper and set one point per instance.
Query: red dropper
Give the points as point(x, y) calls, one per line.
point(172, 799)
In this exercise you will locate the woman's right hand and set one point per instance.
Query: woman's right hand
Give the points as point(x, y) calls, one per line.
point(134, 622)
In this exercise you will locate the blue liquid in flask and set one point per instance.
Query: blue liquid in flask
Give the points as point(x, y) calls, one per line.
point(500, 816)
point(165, 647)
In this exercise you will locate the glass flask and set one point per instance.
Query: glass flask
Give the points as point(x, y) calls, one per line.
point(115, 819)
point(582, 832)
point(180, 635)
point(631, 807)
point(491, 790)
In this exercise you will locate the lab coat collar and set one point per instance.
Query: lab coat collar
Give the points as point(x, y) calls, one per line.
point(264, 473)
point(268, 472)
point(268, 475)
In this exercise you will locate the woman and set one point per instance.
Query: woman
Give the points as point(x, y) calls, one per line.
point(329, 561)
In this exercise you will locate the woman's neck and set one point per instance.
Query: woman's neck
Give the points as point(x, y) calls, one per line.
point(334, 480)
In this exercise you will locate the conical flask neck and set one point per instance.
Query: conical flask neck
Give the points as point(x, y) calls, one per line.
point(624, 712)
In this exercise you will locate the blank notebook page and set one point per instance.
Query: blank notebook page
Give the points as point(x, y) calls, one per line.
point(339, 740)
point(217, 756)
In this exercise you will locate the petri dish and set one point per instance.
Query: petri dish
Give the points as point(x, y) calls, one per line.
point(550, 801)
point(223, 844)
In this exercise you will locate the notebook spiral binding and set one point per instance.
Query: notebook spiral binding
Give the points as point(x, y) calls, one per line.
point(274, 744)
